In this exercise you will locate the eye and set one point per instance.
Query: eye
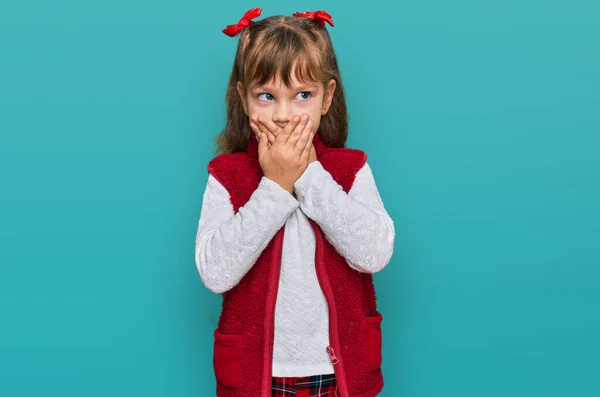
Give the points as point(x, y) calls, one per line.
point(269, 97)
point(304, 95)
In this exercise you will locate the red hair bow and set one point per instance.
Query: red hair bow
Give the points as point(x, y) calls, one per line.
point(234, 30)
point(319, 16)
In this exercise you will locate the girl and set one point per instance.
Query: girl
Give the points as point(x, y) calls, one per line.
point(292, 225)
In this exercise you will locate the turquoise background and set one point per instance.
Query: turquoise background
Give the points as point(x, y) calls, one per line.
point(481, 121)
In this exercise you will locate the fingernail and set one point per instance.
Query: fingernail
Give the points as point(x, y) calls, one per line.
point(304, 117)
point(253, 117)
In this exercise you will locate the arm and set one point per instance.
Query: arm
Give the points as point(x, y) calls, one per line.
point(228, 244)
point(356, 224)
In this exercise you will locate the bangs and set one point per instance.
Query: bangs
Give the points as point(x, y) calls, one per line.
point(281, 56)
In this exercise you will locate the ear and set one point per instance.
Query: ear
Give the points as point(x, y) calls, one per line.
point(328, 97)
point(242, 93)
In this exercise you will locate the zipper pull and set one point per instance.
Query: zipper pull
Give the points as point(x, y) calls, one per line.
point(332, 355)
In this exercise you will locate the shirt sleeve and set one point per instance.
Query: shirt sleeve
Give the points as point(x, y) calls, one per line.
point(228, 244)
point(356, 224)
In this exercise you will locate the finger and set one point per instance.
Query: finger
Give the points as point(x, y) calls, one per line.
point(268, 132)
point(307, 149)
point(304, 138)
point(290, 127)
point(268, 125)
point(262, 144)
point(271, 137)
point(254, 119)
point(255, 130)
point(298, 131)
point(281, 134)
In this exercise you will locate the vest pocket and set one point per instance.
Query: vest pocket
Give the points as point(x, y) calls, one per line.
point(373, 341)
point(227, 359)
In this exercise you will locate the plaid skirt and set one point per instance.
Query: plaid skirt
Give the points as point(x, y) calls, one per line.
point(309, 386)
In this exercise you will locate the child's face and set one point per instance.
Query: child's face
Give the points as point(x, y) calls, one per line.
point(279, 103)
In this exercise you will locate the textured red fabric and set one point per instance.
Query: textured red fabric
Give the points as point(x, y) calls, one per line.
point(354, 319)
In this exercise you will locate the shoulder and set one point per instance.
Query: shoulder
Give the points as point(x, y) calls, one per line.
point(347, 152)
point(351, 158)
point(229, 166)
point(224, 160)
point(225, 168)
point(343, 164)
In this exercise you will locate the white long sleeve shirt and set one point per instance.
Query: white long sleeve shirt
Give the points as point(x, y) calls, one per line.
point(228, 244)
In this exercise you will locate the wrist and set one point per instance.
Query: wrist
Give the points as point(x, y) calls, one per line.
point(288, 188)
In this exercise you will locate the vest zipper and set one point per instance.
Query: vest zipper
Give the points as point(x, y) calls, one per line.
point(273, 286)
point(336, 360)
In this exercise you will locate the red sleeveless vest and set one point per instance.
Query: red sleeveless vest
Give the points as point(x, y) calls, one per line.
point(243, 348)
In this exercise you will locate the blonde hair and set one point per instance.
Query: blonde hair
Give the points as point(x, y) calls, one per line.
point(271, 50)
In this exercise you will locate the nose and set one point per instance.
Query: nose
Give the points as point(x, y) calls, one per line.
point(282, 113)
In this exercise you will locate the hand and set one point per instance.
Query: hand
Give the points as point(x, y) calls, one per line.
point(271, 129)
point(285, 158)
